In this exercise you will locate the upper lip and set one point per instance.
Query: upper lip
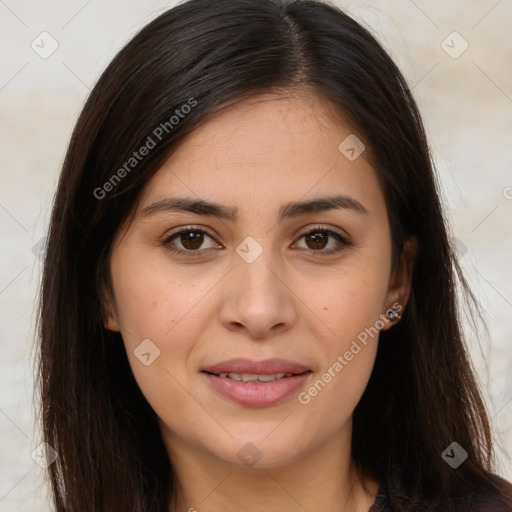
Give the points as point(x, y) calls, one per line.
point(266, 366)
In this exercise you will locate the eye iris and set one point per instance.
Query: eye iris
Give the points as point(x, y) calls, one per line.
point(317, 238)
point(192, 240)
point(195, 238)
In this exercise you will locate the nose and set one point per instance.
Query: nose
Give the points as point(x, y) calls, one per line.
point(258, 299)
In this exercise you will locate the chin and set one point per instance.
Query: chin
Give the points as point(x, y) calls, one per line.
point(261, 451)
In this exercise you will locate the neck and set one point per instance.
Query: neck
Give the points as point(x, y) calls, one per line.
point(323, 479)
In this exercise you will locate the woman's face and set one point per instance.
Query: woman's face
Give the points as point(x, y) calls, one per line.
point(250, 287)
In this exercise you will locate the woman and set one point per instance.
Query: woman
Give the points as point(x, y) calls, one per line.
point(249, 299)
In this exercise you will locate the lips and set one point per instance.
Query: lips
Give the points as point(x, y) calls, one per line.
point(256, 383)
point(255, 377)
point(265, 367)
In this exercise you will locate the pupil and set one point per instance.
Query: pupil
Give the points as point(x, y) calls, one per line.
point(192, 240)
point(317, 239)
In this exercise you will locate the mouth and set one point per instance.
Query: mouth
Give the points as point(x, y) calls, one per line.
point(256, 383)
point(255, 377)
point(243, 366)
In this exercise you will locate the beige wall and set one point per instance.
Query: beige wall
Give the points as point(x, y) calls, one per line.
point(466, 102)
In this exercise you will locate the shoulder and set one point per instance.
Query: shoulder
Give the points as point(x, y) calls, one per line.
point(498, 501)
point(497, 497)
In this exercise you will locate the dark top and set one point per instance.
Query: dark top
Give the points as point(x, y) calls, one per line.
point(483, 503)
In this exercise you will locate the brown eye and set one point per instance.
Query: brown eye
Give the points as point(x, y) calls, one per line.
point(318, 239)
point(189, 241)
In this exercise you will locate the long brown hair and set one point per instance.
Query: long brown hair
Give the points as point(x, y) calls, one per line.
point(422, 394)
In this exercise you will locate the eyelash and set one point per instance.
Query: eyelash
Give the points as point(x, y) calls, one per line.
point(343, 241)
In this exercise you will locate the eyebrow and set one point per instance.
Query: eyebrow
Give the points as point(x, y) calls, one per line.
point(287, 211)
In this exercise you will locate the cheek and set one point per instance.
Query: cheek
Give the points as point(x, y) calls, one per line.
point(153, 299)
point(351, 306)
point(347, 356)
point(353, 301)
point(159, 318)
point(154, 312)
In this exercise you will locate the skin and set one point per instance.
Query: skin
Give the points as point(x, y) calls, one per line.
point(291, 302)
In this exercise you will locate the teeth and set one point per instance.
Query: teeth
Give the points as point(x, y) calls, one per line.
point(249, 377)
point(269, 378)
point(252, 377)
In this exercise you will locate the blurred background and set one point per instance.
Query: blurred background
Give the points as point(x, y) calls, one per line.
point(455, 55)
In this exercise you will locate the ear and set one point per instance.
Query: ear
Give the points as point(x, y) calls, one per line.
point(110, 317)
point(399, 288)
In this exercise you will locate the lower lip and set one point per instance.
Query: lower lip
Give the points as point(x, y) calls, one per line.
point(257, 394)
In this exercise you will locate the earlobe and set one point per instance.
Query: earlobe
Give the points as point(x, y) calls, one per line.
point(400, 283)
point(111, 324)
point(110, 319)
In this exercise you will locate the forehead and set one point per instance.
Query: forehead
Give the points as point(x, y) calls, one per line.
point(265, 149)
point(264, 130)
